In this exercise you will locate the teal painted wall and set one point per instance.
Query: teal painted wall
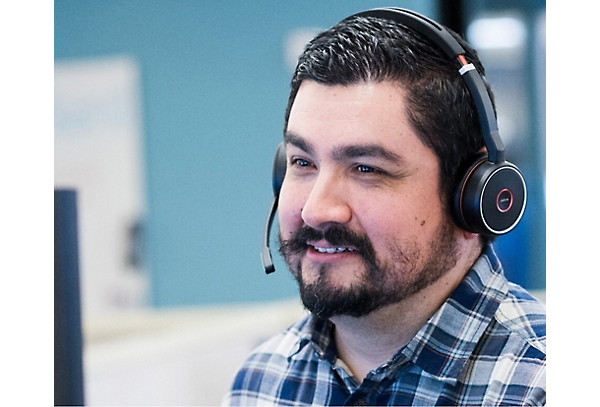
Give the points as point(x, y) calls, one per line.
point(215, 87)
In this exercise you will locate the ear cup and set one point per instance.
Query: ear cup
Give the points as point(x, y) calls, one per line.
point(491, 197)
point(279, 166)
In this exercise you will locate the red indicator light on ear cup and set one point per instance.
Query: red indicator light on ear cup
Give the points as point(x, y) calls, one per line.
point(504, 200)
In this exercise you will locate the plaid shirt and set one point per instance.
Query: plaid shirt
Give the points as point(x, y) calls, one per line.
point(486, 345)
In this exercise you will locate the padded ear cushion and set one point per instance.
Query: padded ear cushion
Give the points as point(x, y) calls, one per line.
point(279, 167)
point(491, 197)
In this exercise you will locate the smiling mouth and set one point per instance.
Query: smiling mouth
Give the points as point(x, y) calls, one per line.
point(332, 250)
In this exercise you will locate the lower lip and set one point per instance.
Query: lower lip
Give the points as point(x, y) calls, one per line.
point(313, 255)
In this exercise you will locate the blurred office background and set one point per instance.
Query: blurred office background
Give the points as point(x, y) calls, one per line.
point(167, 116)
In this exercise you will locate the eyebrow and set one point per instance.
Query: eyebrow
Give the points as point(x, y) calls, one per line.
point(347, 152)
point(297, 141)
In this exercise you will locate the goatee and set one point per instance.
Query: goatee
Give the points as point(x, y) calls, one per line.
point(380, 283)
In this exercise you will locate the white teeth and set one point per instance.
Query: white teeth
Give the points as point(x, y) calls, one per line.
point(333, 249)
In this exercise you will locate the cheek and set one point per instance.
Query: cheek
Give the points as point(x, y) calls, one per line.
point(393, 221)
point(289, 210)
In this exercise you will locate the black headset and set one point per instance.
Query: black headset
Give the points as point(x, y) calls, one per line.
point(491, 197)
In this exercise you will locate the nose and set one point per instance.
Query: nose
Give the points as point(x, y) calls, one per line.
point(327, 203)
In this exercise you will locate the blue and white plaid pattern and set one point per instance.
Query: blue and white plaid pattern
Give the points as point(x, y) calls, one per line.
point(486, 345)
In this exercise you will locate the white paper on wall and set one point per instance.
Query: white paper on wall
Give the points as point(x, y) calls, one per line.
point(98, 152)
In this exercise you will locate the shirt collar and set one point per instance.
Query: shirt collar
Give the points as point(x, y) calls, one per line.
point(318, 332)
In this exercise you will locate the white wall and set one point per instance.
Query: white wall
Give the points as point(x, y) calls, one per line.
point(175, 357)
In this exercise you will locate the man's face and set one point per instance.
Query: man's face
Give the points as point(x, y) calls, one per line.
point(361, 218)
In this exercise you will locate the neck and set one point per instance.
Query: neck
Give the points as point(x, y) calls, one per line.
point(367, 342)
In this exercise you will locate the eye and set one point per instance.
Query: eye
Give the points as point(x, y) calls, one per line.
point(300, 162)
point(365, 169)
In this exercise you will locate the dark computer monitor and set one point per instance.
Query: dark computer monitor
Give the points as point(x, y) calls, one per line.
point(68, 343)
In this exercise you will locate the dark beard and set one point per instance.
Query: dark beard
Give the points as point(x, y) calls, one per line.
point(380, 284)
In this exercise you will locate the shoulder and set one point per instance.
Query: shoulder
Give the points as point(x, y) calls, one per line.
point(286, 342)
point(511, 356)
point(524, 316)
point(517, 320)
point(261, 374)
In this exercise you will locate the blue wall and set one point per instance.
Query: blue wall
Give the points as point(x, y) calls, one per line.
point(215, 86)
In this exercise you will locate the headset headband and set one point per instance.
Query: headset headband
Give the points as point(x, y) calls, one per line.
point(448, 44)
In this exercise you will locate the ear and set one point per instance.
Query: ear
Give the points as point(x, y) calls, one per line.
point(469, 235)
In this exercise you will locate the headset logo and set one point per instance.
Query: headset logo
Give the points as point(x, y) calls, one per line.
point(504, 200)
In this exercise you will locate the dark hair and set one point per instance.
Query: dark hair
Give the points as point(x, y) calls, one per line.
point(439, 106)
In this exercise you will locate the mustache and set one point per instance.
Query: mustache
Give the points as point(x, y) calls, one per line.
point(335, 235)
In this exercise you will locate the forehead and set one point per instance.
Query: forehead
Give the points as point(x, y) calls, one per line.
point(372, 113)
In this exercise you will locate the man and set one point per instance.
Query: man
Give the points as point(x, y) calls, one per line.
point(406, 308)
